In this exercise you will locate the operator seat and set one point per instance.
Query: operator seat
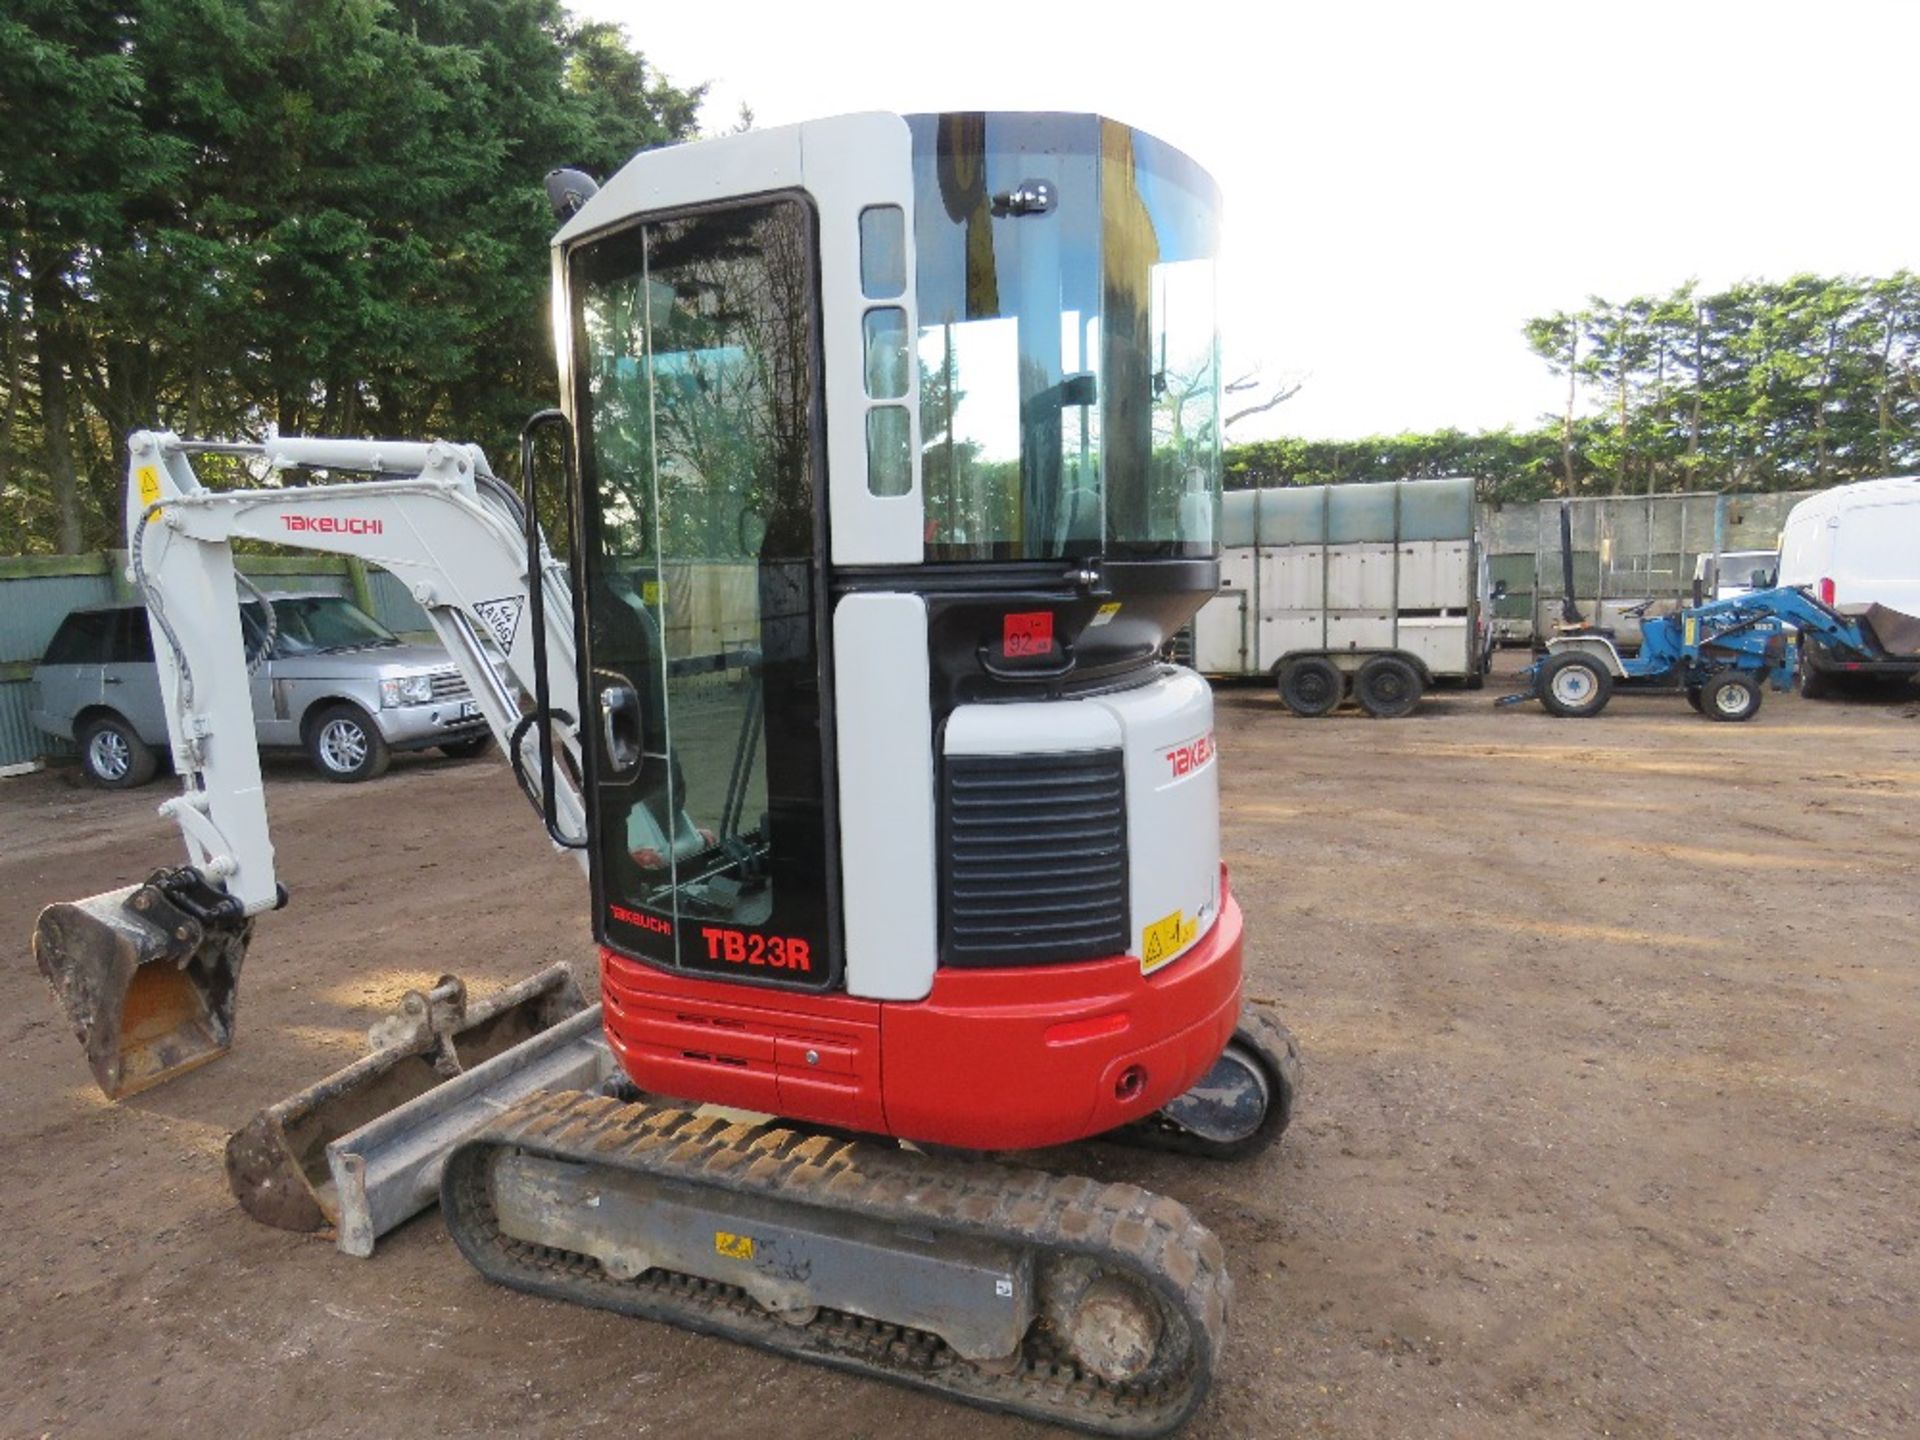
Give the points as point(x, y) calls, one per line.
point(659, 830)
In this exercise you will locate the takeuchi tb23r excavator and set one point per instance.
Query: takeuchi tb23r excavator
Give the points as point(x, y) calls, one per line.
point(892, 450)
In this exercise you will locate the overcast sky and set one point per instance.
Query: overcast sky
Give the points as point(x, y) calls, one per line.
point(1406, 183)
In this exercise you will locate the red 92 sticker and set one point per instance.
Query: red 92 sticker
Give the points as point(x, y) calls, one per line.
point(1030, 632)
point(1187, 758)
point(747, 947)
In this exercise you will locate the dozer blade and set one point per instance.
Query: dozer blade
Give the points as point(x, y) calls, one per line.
point(147, 985)
point(360, 1151)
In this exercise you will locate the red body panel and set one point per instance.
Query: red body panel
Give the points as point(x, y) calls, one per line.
point(1004, 1059)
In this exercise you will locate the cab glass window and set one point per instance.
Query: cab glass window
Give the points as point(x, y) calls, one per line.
point(1069, 381)
point(694, 340)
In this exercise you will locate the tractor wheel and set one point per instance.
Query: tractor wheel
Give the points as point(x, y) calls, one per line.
point(1731, 695)
point(1574, 685)
point(1387, 687)
point(1311, 686)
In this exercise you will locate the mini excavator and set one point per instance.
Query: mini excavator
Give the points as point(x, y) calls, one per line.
point(892, 460)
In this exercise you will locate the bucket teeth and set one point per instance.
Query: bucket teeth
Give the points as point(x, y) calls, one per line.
point(148, 988)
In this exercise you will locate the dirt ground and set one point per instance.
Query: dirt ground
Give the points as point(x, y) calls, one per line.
point(1610, 1127)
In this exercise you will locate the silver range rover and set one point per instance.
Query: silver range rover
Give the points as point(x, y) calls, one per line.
point(334, 682)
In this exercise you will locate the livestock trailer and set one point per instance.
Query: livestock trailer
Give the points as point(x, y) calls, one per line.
point(1377, 591)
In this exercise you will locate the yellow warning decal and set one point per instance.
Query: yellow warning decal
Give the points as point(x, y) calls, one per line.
point(1105, 613)
point(148, 479)
point(651, 592)
point(734, 1247)
point(1166, 938)
point(1692, 630)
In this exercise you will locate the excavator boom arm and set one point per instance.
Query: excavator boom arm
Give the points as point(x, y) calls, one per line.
point(432, 515)
point(148, 974)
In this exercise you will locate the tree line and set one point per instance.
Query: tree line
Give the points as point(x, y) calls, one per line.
point(325, 216)
point(1765, 385)
point(225, 216)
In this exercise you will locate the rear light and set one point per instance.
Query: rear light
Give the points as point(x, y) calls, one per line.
point(1826, 590)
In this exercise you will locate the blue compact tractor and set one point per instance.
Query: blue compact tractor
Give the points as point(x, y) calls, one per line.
point(1720, 655)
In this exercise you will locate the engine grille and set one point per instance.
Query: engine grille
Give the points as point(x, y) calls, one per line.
point(1036, 858)
point(450, 685)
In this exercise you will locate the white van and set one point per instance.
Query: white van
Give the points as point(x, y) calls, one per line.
point(1857, 545)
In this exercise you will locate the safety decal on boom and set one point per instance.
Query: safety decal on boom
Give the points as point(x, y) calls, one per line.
point(502, 617)
point(148, 479)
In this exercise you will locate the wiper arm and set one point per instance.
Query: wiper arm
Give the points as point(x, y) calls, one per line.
point(356, 645)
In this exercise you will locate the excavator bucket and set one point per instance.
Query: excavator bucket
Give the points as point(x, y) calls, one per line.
point(147, 978)
point(359, 1151)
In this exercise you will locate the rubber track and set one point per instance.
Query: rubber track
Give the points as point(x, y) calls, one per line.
point(1153, 1240)
point(1261, 1031)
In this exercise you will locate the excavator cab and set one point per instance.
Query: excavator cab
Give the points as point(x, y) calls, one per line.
point(898, 463)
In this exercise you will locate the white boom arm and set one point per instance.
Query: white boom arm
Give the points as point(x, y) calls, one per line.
point(433, 516)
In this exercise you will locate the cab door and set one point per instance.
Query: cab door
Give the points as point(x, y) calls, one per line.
point(698, 419)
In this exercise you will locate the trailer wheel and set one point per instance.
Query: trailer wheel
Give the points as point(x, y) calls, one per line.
point(1387, 687)
point(1311, 686)
point(1731, 695)
point(1693, 697)
point(1813, 685)
point(1574, 685)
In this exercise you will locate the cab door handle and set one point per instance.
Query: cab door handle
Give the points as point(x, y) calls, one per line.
point(620, 728)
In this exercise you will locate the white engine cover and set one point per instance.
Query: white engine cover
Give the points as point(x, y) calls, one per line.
point(1173, 791)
